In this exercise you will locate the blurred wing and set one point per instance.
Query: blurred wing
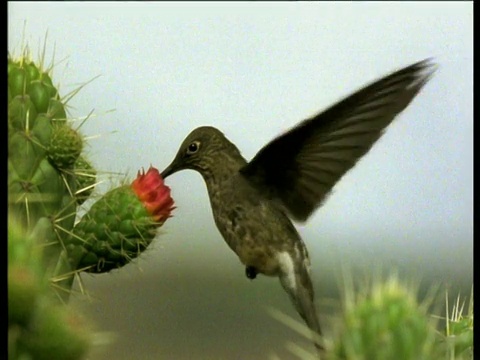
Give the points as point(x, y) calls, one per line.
point(300, 167)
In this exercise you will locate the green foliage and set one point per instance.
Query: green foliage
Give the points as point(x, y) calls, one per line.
point(384, 320)
point(49, 178)
point(458, 335)
point(38, 327)
point(385, 323)
point(65, 147)
point(115, 230)
point(43, 149)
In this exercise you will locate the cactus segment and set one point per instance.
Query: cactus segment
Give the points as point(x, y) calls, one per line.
point(121, 224)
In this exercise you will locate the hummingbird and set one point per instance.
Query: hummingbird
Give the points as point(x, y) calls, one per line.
point(254, 202)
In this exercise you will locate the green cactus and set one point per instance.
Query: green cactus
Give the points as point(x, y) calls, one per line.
point(24, 283)
point(37, 119)
point(383, 320)
point(458, 335)
point(120, 225)
point(385, 323)
point(37, 327)
point(42, 149)
point(49, 178)
point(65, 147)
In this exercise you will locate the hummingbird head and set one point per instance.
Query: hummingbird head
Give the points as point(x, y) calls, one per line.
point(204, 149)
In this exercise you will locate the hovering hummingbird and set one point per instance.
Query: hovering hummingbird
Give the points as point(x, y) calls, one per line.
point(290, 177)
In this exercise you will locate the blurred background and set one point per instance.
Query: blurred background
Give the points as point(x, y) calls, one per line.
point(254, 70)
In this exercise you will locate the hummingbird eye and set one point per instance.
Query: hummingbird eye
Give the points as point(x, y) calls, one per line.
point(193, 147)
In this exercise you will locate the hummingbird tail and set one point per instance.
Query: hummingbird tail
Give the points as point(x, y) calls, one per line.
point(295, 280)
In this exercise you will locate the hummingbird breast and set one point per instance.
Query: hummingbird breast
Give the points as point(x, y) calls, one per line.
point(253, 227)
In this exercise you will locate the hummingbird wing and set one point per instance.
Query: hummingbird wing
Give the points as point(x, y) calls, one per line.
point(300, 167)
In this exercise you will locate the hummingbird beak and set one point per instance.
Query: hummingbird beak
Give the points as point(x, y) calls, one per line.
point(170, 169)
point(176, 165)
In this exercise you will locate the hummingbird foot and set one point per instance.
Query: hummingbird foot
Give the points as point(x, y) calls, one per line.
point(251, 272)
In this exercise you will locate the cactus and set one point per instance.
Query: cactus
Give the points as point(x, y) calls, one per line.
point(385, 323)
point(42, 151)
point(49, 177)
point(37, 327)
point(458, 335)
point(383, 320)
point(120, 225)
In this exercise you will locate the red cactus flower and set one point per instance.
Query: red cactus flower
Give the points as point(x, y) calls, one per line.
point(154, 194)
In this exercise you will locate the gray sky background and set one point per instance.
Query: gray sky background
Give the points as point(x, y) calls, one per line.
point(254, 70)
